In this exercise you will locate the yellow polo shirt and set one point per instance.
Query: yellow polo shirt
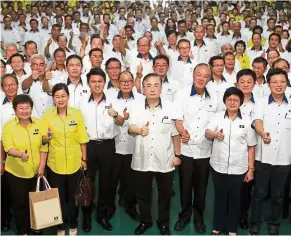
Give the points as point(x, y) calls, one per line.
point(244, 61)
point(68, 133)
point(18, 137)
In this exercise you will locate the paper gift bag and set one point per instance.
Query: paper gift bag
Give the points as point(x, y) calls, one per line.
point(45, 207)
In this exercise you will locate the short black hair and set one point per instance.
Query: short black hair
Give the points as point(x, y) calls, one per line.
point(60, 86)
point(96, 71)
point(128, 27)
point(256, 34)
point(151, 75)
point(112, 59)
point(95, 50)
point(32, 20)
point(169, 32)
point(181, 22)
point(17, 55)
point(241, 42)
point(74, 56)
point(183, 41)
point(125, 72)
point(96, 36)
point(214, 58)
point(3, 63)
point(279, 60)
point(246, 72)
point(22, 99)
point(56, 26)
point(233, 91)
point(59, 50)
point(260, 60)
point(274, 34)
point(30, 42)
point(161, 56)
point(258, 27)
point(276, 71)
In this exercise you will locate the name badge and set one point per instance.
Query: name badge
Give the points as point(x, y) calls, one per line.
point(35, 131)
point(242, 126)
point(166, 120)
point(72, 123)
point(288, 115)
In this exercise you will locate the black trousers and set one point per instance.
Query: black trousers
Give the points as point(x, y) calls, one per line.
point(123, 174)
point(227, 191)
point(67, 185)
point(193, 174)
point(246, 199)
point(19, 189)
point(274, 176)
point(144, 181)
point(102, 157)
point(6, 202)
point(287, 196)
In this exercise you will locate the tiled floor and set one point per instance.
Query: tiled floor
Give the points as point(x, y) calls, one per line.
point(124, 225)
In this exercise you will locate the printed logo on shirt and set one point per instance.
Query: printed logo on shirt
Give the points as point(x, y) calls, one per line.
point(242, 126)
point(72, 123)
point(84, 91)
point(36, 131)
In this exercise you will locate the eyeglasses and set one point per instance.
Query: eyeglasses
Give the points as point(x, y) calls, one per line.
point(233, 100)
point(113, 68)
point(184, 48)
point(126, 81)
point(161, 66)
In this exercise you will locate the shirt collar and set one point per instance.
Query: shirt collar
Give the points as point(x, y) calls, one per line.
point(155, 30)
point(147, 104)
point(69, 81)
point(166, 80)
point(24, 72)
point(8, 28)
point(110, 85)
point(188, 60)
point(56, 111)
point(222, 34)
point(131, 38)
point(18, 121)
point(203, 43)
point(193, 92)
point(288, 83)
point(214, 37)
point(239, 36)
point(91, 98)
point(271, 99)
point(34, 31)
point(252, 99)
point(121, 18)
point(222, 79)
point(140, 56)
point(238, 114)
point(253, 48)
point(120, 95)
point(5, 100)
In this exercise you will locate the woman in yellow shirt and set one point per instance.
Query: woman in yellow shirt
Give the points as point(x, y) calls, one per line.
point(244, 59)
point(67, 137)
point(26, 158)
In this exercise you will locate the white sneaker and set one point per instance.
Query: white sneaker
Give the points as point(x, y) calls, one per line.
point(73, 232)
point(61, 232)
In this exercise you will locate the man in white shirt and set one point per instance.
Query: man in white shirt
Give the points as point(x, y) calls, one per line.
point(156, 152)
point(229, 72)
point(101, 120)
point(197, 107)
point(113, 69)
point(34, 33)
point(273, 157)
point(9, 34)
point(261, 88)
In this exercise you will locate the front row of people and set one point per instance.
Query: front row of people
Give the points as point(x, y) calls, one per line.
point(235, 147)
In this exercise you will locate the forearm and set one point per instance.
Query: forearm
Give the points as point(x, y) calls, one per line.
point(26, 84)
point(47, 51)
point(84, 151)
point(177, 144)
point(251, 157)
point(46, 86)
point(179, 126)
point(259, 127)
point(14, 152)
point(2, 152)
point(134, 130)
point(43, 157)
point(162, 50)
point(137, 83)
point(210, 134)
point(70, 45)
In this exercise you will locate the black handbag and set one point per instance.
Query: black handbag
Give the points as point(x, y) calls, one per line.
point(85, 191)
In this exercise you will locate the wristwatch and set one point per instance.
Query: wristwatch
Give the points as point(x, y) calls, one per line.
point(178, 156)
point(85, 160)
point(115, 115)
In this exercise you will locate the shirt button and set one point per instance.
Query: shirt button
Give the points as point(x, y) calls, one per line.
point(278, 123)
point(198, 118)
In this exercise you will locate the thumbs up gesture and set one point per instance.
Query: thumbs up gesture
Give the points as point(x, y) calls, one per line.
point(185, 136)
point(139, 68)
point(24, 156)
point(48, 74)
point(111, 111)
point(34, 74)
point(144, 131)
point(49, 134)
point(220, 135)
point(49, 42)
point(125, 114)
point(191, 54)
point(263, 53)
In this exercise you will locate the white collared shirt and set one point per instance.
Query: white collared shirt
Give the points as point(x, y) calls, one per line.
point(124, 142)
point(201, 54)
point(195, 112)
point(10, 36)
point(169, 88)
point(248, 108)
point(7, 113)
point(261, 90)
point(230, 78)
point(252, 53)
point(100, 126)
point(230, 156)
point(34, 36)
point(276, 119)
point(155, 151)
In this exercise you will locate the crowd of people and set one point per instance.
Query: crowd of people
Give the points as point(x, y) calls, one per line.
point(131, 91)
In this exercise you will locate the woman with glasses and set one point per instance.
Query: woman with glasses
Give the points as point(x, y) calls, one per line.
point(232, 160)
point(66, 133)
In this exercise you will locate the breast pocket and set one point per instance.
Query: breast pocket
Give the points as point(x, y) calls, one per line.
point(287, 120)
point(165, 126)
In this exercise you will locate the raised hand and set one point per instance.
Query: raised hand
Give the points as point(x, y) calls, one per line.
point(144, 131)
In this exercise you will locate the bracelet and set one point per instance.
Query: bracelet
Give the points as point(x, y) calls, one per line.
point(252, 169)
point(85, 160)
point(178, 156)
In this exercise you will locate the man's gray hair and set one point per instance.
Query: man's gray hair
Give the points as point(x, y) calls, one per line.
point(10, 45)
point(37, 56)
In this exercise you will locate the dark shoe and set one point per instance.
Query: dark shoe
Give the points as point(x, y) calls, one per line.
point(132, 213)
point(141, 228)
point(164, 229)
point(110, 212)
point(105, 224)
point(87, 225)
point(200, 227)
point(273, 229)
point(5, 226)
point(215, 233)
point(243, 224)
point(255, 229)
point(180, 225)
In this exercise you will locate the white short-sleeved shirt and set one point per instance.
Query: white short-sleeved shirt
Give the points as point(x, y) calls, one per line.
point(230, 78)
point(276, 119)
point(261, 90)
point(201, 54)
point(169, 88)
point(230, 156)
point(195, 111)
point(7, 112)
point(124, 142)
point(218, 90)
point(100, 126)
point(247, 108)
point(10, 36)
point(182, 71)
point(155, 151)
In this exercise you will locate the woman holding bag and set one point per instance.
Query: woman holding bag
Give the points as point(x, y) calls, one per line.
point(26, 158)
point(67, 137)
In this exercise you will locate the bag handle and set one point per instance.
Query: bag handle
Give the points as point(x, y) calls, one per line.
point(45, 182)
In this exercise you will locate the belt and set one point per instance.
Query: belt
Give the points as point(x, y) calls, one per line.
point(101, 141)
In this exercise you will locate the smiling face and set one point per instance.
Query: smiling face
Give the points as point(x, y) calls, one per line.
point(246, 84)
point(201, 76)
point(10, 87)
point(126, 82)
point(23, 111)
point(61, 98)
point(232, 103)
point(278, 84)
point(152, 87)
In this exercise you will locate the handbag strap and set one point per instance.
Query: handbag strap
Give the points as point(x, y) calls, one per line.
point(45, 182)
